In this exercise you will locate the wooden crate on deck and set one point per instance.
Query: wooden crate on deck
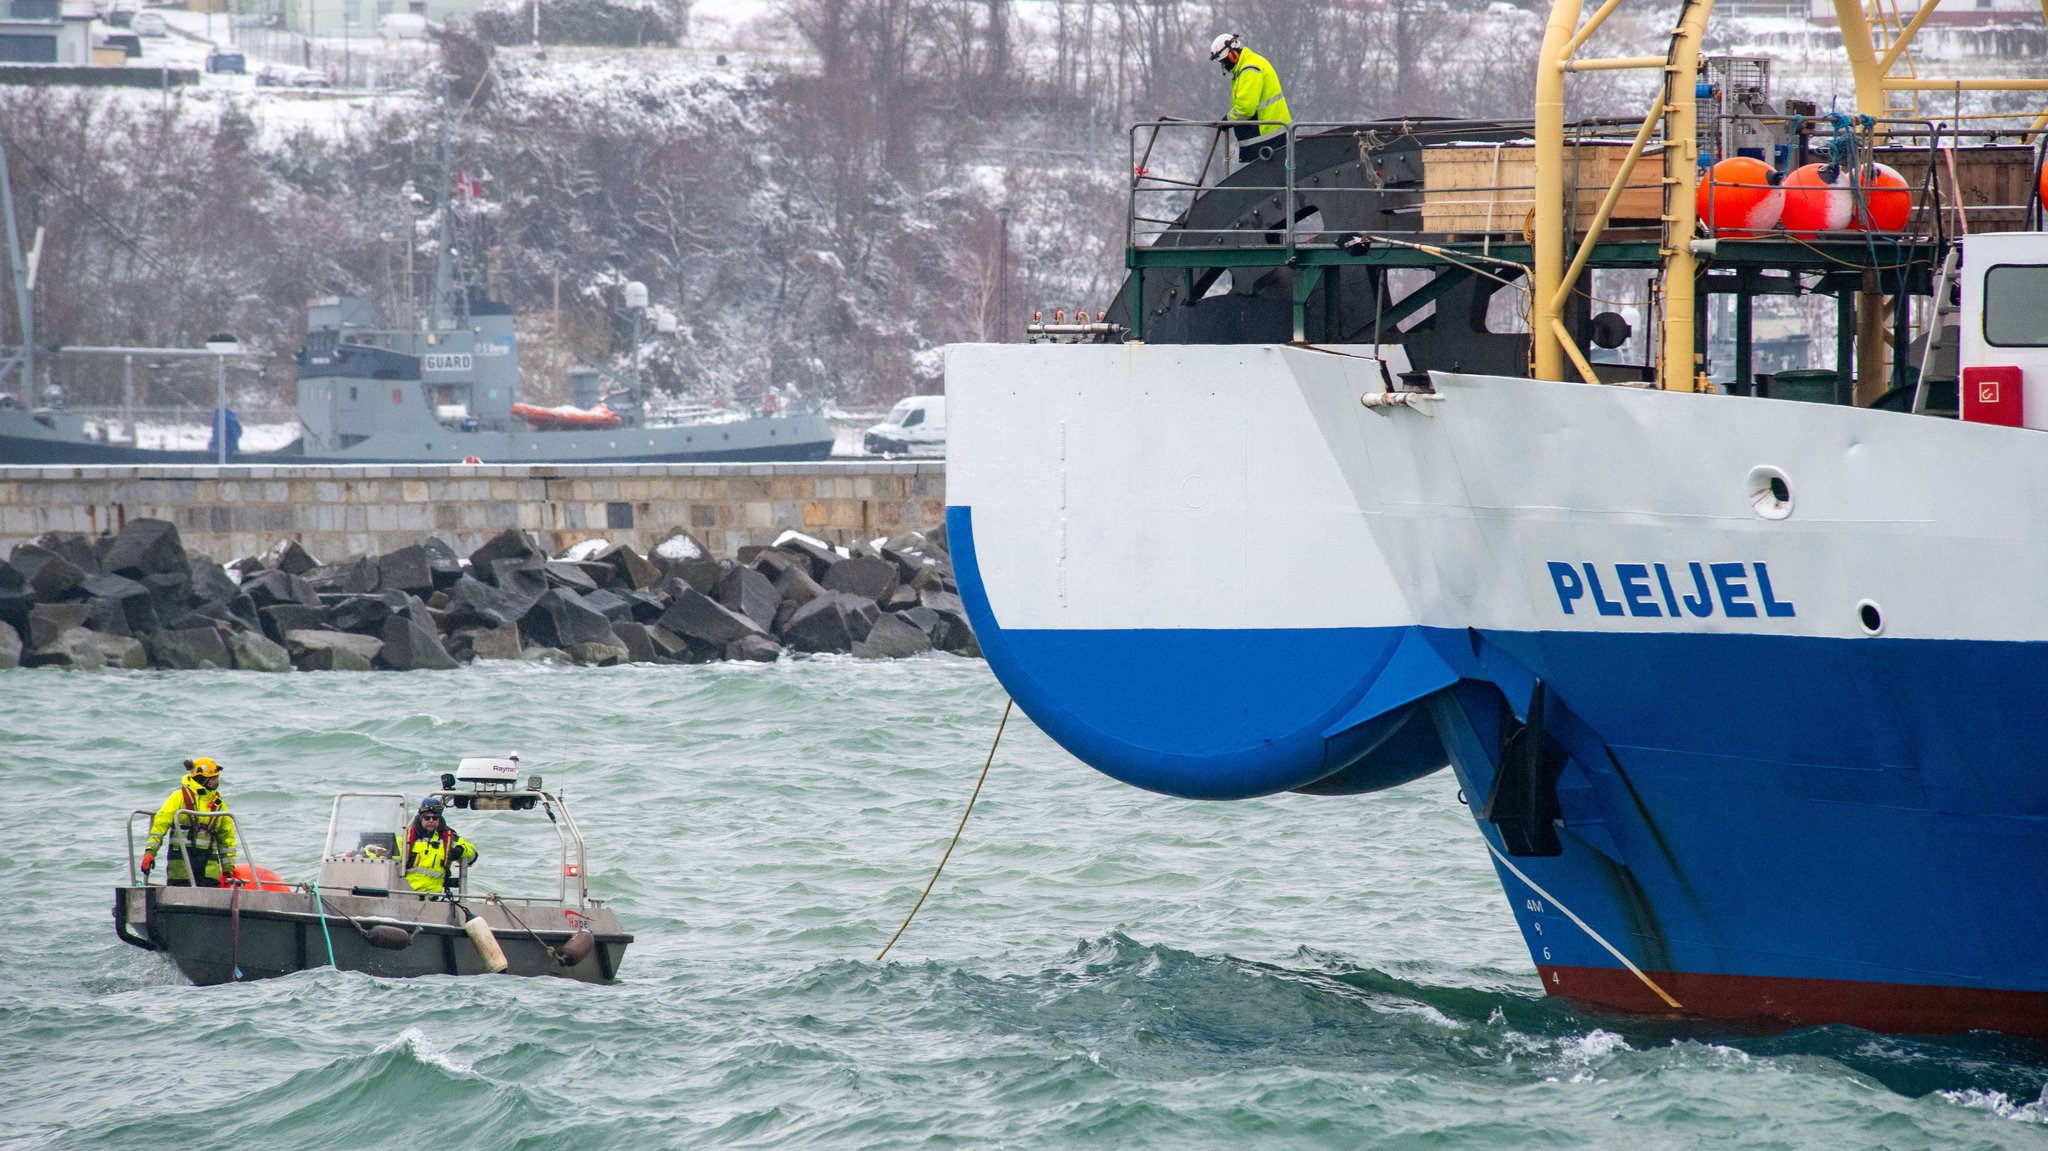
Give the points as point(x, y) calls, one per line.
point(1994, 183)
point(1491, 187)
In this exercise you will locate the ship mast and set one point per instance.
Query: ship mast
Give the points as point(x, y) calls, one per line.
point(442, 309)
point(22, 273)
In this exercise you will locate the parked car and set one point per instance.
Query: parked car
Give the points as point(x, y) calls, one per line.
point(127, 42)
point(117, 17)
point(915, 426)
point(226, 62)
point(150, 24)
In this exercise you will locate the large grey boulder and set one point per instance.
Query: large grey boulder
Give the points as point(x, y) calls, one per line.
point(47, 621)
point(442, 561)
point(362, 614)
point(668, 646)
point(83, 649)
point(498, 643)
point(702, 574)
point(289, 617)
point(356, 575)
point(694, 615)
point(254, 652)
point(602, 654)
point(609, 604)
point(332, 650)
point(821, 559)
point(189, 649)
point(16, 598)
point(409, 569)
point(145, 547)
point(748, 592)
point(411, 645)
point(474, 603)
point(209, 582)
point(49, 575)
point(866, 576)
point(275, 587)
point(120, 606)
point(796, 586)
point(756, 648)
point(634, 570)
point(560, 619)
point(819, 626)
point(892, 637)
point(639, 643)
point(288, 557)
point(570, 574)
point(510, 544)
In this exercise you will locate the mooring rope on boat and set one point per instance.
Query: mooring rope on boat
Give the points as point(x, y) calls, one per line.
point(493, 897)
point(320, 905)
point(1007, 704)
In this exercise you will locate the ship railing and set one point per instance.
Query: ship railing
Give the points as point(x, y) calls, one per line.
point(187, 822)
point(1482, 187)
point(1962, 175)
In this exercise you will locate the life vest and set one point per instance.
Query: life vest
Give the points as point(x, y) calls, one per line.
point(426, 859)
point(209, 831)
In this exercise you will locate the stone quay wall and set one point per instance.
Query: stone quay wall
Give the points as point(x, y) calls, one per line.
point(334, 511)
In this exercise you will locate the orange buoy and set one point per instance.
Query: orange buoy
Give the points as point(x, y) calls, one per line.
point(1740, 197)
point(1817, 199)
point(1886, 202)
point(261, 879)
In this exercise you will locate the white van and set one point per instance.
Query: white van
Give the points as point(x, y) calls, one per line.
point(914, 427)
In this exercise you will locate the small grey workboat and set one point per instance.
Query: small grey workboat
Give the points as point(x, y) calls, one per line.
point(362, 916)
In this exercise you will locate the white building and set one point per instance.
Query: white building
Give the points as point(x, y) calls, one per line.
point(46, 31)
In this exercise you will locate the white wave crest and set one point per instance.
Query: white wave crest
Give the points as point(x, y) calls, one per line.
point(422, 1048)
point(1999, 1104)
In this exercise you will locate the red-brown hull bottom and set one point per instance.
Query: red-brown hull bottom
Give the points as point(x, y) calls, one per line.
point(1901, 1008)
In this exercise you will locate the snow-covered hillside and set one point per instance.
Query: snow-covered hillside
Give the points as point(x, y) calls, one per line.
point(823, 192)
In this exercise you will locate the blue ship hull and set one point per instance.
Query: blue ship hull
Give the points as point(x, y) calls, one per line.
point(1834, 837)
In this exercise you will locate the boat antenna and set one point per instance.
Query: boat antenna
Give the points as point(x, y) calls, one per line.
point(22, 272)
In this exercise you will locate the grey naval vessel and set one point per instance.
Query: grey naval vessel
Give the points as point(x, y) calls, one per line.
point(440, 386)
point(441, 393)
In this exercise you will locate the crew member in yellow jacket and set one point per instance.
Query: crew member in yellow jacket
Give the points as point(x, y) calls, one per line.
point(1257, 108)
point(201, 832)
point(429, 846)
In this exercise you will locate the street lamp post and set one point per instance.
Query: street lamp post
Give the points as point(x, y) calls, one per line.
point(222, 345)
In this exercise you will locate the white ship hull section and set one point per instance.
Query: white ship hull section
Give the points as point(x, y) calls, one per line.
point(1141, 487)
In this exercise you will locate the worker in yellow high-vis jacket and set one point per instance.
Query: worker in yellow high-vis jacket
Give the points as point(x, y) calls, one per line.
point(1258, 110)
point(201, 833)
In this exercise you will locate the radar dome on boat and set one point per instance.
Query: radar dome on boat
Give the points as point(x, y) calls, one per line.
point(1740, 197)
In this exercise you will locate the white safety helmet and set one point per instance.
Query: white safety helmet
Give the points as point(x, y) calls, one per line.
point(1221, 46)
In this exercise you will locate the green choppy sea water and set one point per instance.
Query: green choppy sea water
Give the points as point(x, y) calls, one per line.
point(1098, 967)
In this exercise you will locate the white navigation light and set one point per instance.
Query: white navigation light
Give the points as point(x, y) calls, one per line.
point(636, 294)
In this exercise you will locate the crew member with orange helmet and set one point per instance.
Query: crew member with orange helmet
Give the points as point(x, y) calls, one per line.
point(202, 833)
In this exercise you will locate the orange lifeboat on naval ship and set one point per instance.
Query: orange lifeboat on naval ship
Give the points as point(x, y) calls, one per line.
point(566, 416)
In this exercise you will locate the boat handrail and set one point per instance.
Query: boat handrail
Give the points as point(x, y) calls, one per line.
point(244, 853)
point(566, 833)
point(1160, 199)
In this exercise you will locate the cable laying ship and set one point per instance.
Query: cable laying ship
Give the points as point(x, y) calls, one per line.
point(1735, 688)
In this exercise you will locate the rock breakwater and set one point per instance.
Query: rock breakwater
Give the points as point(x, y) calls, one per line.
point(138, 599)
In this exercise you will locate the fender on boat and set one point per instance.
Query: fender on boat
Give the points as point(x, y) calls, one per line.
point(1219, 713)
